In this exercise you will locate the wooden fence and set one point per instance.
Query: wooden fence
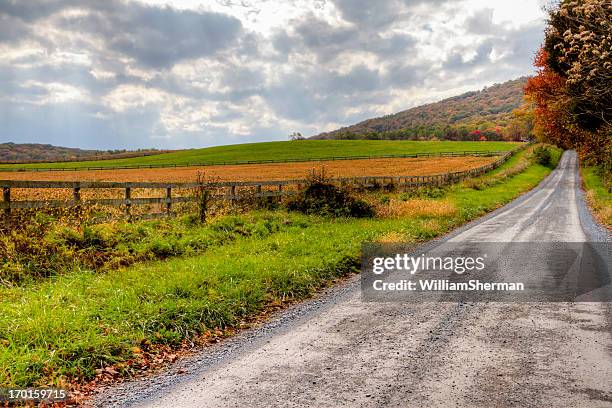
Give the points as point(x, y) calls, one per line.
point(238, 162)
point(231, 190)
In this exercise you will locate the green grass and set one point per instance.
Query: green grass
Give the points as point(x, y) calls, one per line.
point(45, 246)
point(69, 325)
point(598, 195)
point(303, 149)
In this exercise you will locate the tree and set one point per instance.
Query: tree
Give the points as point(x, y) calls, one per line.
point(578, 43)
point(572, 90)
point(296, 136)
point(547, 90)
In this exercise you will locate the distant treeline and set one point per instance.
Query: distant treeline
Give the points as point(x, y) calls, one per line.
point(16, 153)
point(520, 130)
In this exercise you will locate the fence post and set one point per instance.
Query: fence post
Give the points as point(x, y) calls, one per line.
point(128, 202)
point(76, 194)
point(168, 200)
point(6, 196)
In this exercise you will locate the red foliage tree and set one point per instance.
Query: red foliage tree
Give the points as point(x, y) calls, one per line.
point(546, 91)
point(572, 88)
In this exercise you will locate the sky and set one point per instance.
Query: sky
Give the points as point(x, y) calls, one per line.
point(171, 74)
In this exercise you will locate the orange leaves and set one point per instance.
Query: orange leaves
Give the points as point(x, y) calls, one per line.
point(546, 90)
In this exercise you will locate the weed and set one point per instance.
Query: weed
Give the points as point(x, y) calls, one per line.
point(320, 197)
point(417, 208)
point(542, 156)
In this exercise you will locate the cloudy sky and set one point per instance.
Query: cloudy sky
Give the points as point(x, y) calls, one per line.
point(112, 74)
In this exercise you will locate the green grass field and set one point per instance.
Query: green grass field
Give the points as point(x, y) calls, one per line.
point(64, 327)
point(279, 151)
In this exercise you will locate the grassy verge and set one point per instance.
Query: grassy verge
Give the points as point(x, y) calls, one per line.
point(66, 327)
point(44, 246)
point(279, 151)
point(598, 195)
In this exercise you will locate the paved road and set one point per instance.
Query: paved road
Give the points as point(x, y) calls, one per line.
point(339, 351)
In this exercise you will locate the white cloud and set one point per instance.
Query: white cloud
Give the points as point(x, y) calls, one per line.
point(187, 73)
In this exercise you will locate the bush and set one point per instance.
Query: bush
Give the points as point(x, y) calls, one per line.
point(326, 199)
point(542, 155)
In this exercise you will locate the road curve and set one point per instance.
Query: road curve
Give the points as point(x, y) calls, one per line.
point(339, 351)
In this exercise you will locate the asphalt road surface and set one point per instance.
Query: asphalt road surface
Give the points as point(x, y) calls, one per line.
point(337, 350)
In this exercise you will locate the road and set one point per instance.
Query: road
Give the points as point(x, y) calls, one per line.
point(340, 351)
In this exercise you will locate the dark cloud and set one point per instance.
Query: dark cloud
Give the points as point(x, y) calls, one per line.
point(375, 14)
point(456, 61)
point(522, 44)
point(12, 30)
point(370, 13)
point(31, 10)
point(315, 96)
point(158, 37)
point(330, 42)
point(514, 51)
point(155, 37)
point(357, 80)
point(401, 74)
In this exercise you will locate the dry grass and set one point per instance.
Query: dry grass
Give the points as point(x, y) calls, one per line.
point(602, 212)
point(393, 236)
point(274, 171)
point(417, 208)
point(257, 172)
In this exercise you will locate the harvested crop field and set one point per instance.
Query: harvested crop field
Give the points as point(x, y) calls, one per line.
point(273, 171)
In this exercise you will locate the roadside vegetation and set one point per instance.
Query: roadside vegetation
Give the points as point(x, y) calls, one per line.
point(572, 92)
point(289, 150)
point(598, 194)
point(119, 309)
point(45, 246)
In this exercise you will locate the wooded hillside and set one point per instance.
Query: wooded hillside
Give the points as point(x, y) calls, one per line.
point(494, 113)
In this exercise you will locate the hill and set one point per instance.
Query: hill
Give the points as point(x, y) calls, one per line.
point(44, 153)
point(495, 113)
point(282, 151)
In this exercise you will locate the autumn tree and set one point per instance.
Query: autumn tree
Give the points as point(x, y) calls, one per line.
point(578, 43)
point(572, 90)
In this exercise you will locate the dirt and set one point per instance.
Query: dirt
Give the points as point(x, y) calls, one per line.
point(273, 171)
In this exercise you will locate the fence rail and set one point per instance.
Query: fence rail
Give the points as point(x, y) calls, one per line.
point(271, 161)
point(228, 190)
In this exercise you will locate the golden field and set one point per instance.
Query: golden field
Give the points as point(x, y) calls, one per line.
point(273, 171)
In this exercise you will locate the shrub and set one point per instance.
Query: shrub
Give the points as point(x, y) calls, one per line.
point(326, 199)
point(542, 155)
